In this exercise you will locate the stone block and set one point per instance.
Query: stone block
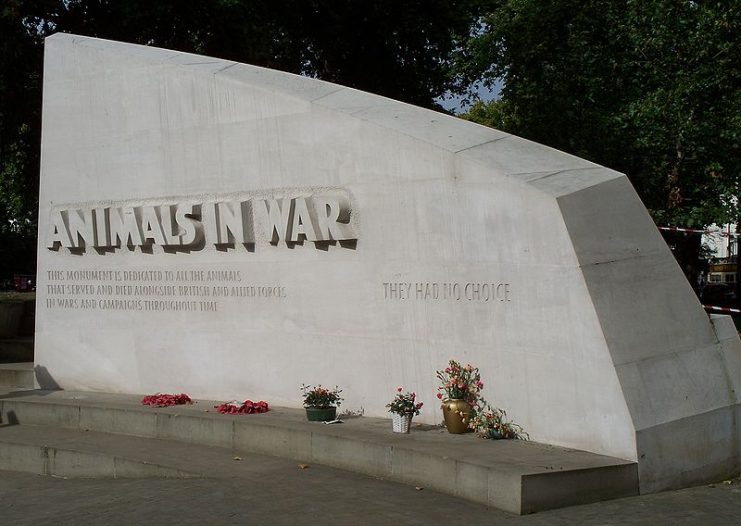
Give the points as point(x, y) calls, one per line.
point(272, 440)
point(194, 429)
point(362, 456)
point(20, 457)
point(40, 413)
point(505, 490)
point(548, 490)
point(472, 481)
point(118, 421)
point(694, 450)
point(16, 375)
point(230, 231)
point(70, 463)
point(433, 471)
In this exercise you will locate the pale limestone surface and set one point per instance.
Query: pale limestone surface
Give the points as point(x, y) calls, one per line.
point(599, 343)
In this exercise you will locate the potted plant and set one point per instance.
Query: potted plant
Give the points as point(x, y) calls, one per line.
point(403, 408)
point(321, 403)
point(492, 423)
point(459, 391)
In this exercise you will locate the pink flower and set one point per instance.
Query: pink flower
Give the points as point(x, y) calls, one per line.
point(439, 396)
point(399, 389)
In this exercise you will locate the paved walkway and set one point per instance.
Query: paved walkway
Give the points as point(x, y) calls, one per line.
point(278, 491)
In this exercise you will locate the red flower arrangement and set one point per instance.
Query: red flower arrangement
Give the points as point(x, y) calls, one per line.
point(248, 407)
point(459, 383)
point(164, 400)
point(404, 403)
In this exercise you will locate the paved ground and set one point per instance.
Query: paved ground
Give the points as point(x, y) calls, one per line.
point(278, 492)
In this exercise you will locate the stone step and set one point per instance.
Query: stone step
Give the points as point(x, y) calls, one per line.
point(17, 375)
point(45, 450)
point(517, 476)
point(48, 450)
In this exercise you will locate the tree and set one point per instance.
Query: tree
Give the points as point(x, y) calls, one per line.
point(19, 77)
point(20, 83)
point(398, 49)
point(649, 87)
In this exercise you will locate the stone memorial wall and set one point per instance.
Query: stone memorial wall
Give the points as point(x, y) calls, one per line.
point(233, 232)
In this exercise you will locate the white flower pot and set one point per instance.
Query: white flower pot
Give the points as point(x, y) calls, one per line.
point(401, 423)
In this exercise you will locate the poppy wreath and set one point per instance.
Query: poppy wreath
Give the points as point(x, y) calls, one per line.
point(248, 407)
point(164, 400)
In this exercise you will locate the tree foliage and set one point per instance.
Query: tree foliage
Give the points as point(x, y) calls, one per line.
point(647, 87)
point(397, 49)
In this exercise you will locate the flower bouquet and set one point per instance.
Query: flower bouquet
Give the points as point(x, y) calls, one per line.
point(492, 423)
point(459, 391)
point(248, 407)
point(459, 382)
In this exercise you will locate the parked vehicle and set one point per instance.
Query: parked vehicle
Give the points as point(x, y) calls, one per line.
point(719, 295)
point(24, 282)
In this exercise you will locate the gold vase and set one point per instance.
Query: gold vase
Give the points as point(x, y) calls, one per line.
point(457, 413)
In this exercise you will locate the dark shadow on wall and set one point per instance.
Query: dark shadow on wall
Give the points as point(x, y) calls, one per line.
point(9, 419)
point(45, 379)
